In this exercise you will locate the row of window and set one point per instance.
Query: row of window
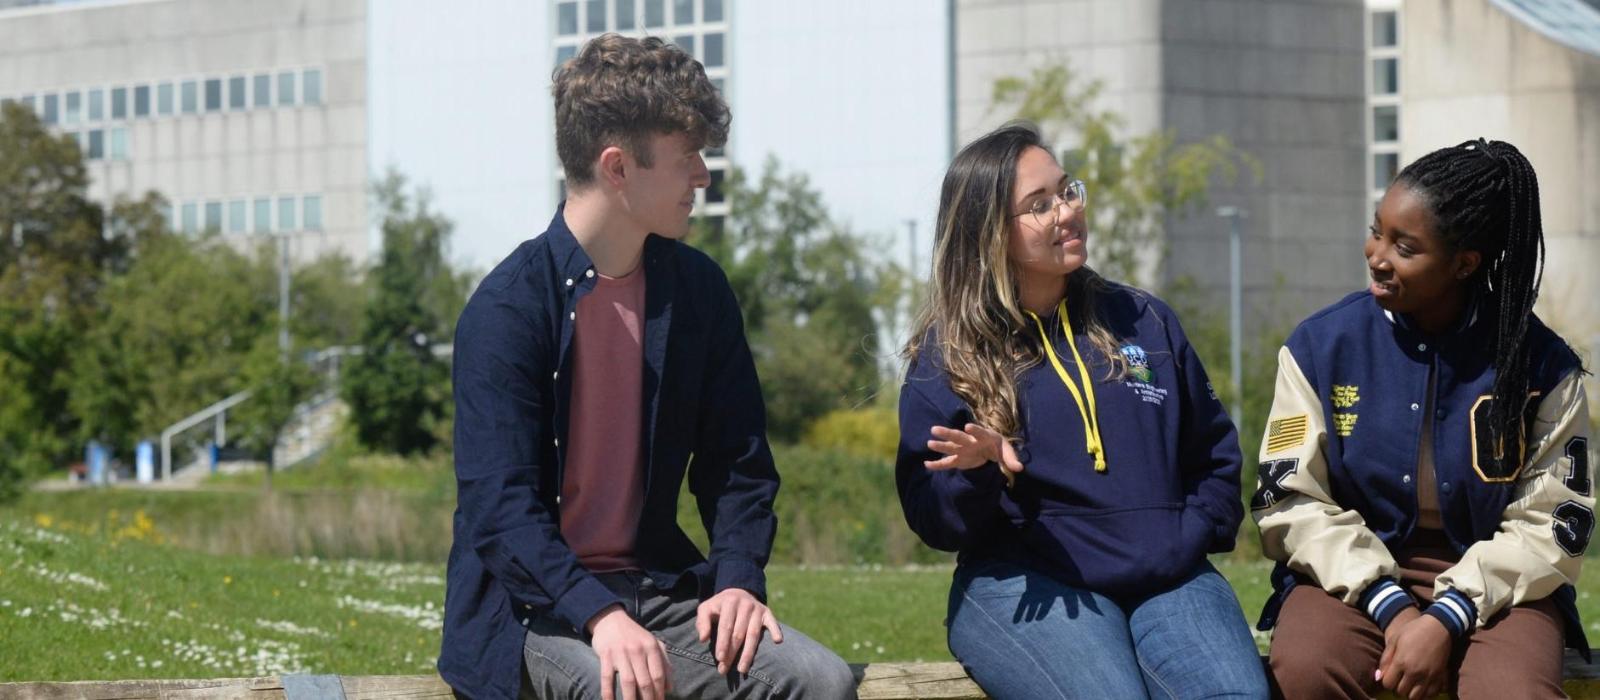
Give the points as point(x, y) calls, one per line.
point(709, 48)
point(254, 215)
point(626, 15)
point(1384, 97)
point(102, 144)
point(162, 99)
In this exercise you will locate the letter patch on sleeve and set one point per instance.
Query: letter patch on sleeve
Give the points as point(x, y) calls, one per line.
point(1269, 482)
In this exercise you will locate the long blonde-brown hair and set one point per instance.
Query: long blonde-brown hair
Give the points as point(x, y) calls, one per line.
point(972, 308)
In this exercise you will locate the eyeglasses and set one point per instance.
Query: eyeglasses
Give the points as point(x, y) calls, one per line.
point(1045, 211)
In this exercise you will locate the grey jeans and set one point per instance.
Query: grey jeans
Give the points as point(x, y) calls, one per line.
point(559, 663)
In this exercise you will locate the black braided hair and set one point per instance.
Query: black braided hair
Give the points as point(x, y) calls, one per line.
point(1484, 197)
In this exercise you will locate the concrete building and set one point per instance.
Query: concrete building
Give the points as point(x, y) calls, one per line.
point(250, 117)
point(1527, 72)
point(1280, 78)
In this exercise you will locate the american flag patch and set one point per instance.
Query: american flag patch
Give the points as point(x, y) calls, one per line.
point(1285, 433)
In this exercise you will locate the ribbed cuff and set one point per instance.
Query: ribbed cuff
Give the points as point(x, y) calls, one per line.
point(1456, 611)
point(1383, 600)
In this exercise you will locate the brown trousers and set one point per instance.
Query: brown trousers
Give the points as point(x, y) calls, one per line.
point(1323, 648)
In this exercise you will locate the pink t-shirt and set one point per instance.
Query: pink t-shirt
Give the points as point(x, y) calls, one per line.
point(602, 489)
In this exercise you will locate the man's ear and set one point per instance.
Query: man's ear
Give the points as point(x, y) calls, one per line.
point(611, 167)
point(1467, 262)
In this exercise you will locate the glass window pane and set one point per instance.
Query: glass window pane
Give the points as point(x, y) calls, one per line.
point(263, 215)
point(625, 19)
point(564, 54)
point(213, 216)
point(682, 12)
point(141, 101)
point(119, 103)
point(685, 42)
point(655, 13)
point(714, 190)
point(52, 109)
point(97, 105)
point(1384, 167)
point(312, 213)
point(566, 18)
point(164, 99)
point(29, 102)
point(285, 89)
point(286, 220)
point(311, 87)
point(595, 16)
point(1386, 123)
point(74, 108)
point(1385, 30)
point(191, 99)
point(1385, 76)
point(236, 212)
point(119, 143)
point(97, 144)
point(712, 9)
point(236, 92)
point(213, 94)
point(713, 51)
point(190, 219)
point(263, 90)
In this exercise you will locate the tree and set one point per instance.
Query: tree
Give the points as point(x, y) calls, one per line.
point(397, 388)
point(813, 296)
point(1134, 184)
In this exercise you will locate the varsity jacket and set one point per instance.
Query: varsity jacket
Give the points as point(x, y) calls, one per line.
point(1337, 486)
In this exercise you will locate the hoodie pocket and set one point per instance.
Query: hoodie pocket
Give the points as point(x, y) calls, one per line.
point(1116, 551)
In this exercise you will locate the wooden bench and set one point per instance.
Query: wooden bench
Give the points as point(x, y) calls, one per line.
point(883, 681)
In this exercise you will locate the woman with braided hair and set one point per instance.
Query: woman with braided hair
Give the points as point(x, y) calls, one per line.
point(1424, 482)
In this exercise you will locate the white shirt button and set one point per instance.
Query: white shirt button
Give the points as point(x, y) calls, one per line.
point(557, 441)
point(1415, 407)
point(573, 315)
point(1406, 478)
point(555, 375)
point(1422, 346)
point(569, 281)
point(588, 273)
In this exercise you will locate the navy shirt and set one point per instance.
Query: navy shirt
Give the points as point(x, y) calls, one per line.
point(513, 360)
point(1170, 493)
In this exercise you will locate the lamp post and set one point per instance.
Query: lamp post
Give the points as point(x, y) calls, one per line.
point(1235, 216)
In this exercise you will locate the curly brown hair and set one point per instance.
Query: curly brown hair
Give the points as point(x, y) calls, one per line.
point(619, 91)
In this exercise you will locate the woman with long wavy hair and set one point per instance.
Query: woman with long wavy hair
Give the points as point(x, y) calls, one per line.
point(1058, 431)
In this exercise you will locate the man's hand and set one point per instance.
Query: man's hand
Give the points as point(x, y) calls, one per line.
point(630, 655)
point(738, 618)
point(1416, 657)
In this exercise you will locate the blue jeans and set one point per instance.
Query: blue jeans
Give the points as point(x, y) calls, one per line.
point(1022, 634)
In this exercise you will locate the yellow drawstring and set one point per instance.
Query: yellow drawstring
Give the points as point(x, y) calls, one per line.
point(1090, 413)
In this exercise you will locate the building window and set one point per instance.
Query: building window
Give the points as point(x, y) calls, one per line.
point(97, 144)
point(1386, 76)
point(74, 108)
point(1384, 167)
point(567, 18)
point(655, 13)
point(97, 105)
point(236, 216)
point(712, 56)
point(191, 97)
point(285, 89)
point(141, 101)
point(625, 16)
point(714, 190)
point(711, 11)
point(1386, 123)
point(119, 103)
point(594, 16)
point(685, 42)
point(164, 99)
point(311, 211)
point(263, 215)
point(682, 12)
point(213, 94)
point(190, 218)
point(263, 90)
point(286, 214)
point(236, 94)
point(27, 101)
point(1385, 30)
point(564, 54)
point(119, 143)
point(213, 216)
point(51, 110)
point(311, 87)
